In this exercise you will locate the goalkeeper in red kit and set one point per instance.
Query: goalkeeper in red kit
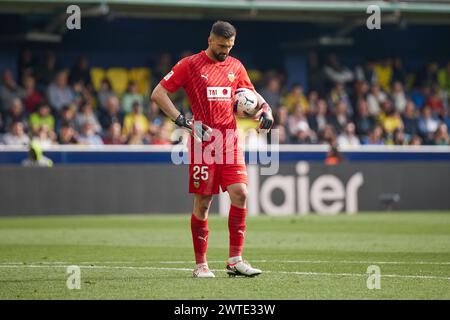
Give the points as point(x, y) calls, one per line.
point(210, 79)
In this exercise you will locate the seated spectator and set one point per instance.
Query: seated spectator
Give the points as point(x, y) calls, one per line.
point(363, 120)
point(340, 117)
point(400, 139)
point(36, 157)
point(315, 73)
point(272, 92)
point(33, 97)
point(383, 71)
point(67, 134)
point(137, 135)
point(416, 141)
point(348, 137)
point(360, 91)
point(374, 100)
point(428, 125)
point(298, 127)
point(88, 136)
point(9, 90)
point(59, 93)
point(281, 116)
point(398, 96)
point(114, 134)
point(44, 136)
point(111, 113)
point(420, 95)
point(27, 64)
point(162, 136)
point(313, 98)
point(131, 96)
point(318, 116)
point(296, 98)
point(398, 72)
point(16, 135)
point(80, 72)
point(339, 95)
point(366, 73)
point(444, 78)
point(445, 118)
point(85, 115)
point(410, 119)
point(327, 135)
point(335, 72)
point(163, 67)
point(375, 136)
point(43, 116)
point(47, 71)
point(441, 137)
point(389, 119)
point(136, 116)
point(435, 101)
point(16, 113)
point(279, 134)
point(428, 76)
point(104, 93)
point(67, 116)
point(80, 93)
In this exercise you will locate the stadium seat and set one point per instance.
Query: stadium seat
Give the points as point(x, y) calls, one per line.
point(118, 78)
point(97, 75)
point(142, 77)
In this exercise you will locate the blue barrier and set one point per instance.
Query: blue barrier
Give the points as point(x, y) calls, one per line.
point(286, 153)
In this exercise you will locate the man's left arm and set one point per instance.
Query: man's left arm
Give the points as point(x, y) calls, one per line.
point(264, 115)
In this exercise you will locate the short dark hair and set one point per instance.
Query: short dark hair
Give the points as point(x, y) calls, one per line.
point(223, 29)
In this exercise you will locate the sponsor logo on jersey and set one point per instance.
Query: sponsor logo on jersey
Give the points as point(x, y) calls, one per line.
point(196, 184)
point(231, 76)
point(167, 77)
point(218, 93)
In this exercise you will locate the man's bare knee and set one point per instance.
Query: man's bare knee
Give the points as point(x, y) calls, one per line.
point(201, 206)
point(239, 196)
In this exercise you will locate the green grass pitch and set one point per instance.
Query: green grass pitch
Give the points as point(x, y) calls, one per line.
point(150, 257)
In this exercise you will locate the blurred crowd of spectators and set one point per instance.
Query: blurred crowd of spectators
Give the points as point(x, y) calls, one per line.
point(376, 103)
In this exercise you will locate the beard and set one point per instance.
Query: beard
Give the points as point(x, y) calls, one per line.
point(220, 56)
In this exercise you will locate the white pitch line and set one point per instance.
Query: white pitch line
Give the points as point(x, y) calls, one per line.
point(444, 263)
point(219, 270)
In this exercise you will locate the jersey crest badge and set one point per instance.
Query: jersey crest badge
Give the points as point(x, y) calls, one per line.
point(196, 184)
point(231, 76)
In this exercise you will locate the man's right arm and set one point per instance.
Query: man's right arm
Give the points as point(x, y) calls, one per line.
point(200, 131)
point(161, 98)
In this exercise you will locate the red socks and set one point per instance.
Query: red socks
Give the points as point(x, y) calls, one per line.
point(236, 227)
point(199, 230)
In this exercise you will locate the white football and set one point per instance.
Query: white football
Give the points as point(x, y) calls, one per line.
point(245, 103)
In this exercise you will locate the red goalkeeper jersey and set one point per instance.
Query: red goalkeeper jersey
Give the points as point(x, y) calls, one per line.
point(210, 86)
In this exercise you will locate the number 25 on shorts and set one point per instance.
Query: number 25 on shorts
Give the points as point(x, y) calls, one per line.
point(200, 170)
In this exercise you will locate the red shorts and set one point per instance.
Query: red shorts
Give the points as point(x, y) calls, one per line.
point(206, 176)
point(205, 179)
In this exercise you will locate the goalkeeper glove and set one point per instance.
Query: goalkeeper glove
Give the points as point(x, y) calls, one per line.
point(266, 117)
point(200, 131)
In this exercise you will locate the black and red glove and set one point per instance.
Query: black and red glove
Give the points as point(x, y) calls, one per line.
point(266, 117)
point(200, 131)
